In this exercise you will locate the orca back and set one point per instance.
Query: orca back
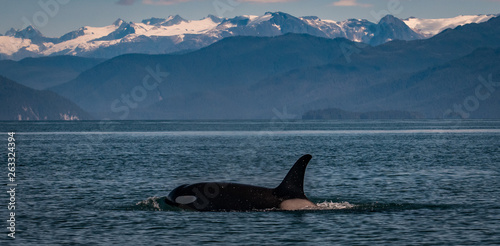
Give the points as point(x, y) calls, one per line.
point(241, 197)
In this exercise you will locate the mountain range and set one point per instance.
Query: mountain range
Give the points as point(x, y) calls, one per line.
point(44, 72)
point(175, 34)
point(252, 77)
point(24, 103)
point(454, 73)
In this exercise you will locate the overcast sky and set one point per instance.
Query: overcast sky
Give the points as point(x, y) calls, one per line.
point(57, 17)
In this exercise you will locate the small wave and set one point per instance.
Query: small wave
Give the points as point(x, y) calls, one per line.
point(333, 205)
point(154, 204)
point(158, 204)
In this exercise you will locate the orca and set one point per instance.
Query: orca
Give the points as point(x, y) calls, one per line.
point(289, 195)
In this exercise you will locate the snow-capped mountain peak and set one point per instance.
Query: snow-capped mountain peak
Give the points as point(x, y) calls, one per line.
point(11, 32)
point(174, 33)
point(169, 21)
point(118, 22)
point(29, 32)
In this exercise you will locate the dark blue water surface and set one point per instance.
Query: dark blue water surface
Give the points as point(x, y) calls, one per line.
point(376, 182)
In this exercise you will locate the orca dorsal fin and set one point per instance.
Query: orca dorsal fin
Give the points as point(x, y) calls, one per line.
point(292, 185)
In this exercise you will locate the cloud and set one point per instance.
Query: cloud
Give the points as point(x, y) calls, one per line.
point(267, 1)
point(351, 3)
point(169, 2)
point(151, 2)
point(163, 2)
point(126, 2)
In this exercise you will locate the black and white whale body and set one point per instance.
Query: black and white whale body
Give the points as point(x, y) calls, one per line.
point(289, 195)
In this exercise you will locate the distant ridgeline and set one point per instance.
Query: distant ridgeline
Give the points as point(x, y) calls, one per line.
point(453, 74)
point(337, 114)
point(23, 103)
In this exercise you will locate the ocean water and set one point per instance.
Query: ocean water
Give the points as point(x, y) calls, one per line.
point(376, 182)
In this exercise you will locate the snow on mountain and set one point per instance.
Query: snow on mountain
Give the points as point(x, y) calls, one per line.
point(81, 44)
point(174, 34)
point(10, 45)
point(183, 27)
point(255, 20)
point(431, 27)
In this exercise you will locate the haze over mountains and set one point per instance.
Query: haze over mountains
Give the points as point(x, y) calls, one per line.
point(23, 103)
point(175, 34)
point(455, 73)
point(44, 72)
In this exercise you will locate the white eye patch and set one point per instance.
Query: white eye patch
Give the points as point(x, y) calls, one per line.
point(185, 199)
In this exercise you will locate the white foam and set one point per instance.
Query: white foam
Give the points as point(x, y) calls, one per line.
point(333, 205)
point(152, 203)
point(158, 204)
